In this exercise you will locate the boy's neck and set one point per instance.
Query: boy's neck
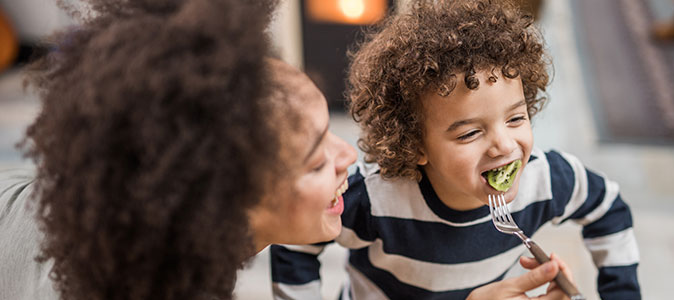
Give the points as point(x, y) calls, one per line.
point(451, 199)
point(460, 204)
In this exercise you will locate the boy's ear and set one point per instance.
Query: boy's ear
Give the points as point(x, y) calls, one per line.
point(422, 157)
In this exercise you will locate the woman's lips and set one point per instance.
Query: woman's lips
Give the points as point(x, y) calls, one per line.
point(337, 203)
point(342, 188)
point(338, 193)
point(336, 206)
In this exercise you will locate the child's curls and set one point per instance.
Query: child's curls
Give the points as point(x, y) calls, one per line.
point(426, 47)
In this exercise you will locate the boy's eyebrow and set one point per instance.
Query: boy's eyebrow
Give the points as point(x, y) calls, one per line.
point(460, 123)
point(518, 104)
point(316, 143)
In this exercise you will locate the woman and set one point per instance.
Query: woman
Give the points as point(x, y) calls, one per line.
point(153, 142)
point(307, 208)
point(168, 151)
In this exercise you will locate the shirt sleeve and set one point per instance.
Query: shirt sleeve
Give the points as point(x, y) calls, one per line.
point(295, 271)
point(21, 276)
point(594, 202)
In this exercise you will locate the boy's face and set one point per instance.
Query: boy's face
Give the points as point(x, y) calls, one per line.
point(473, 131)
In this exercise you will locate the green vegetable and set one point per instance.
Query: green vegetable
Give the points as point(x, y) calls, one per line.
point(501, 179)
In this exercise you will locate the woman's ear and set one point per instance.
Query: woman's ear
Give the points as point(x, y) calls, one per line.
point(422, 157)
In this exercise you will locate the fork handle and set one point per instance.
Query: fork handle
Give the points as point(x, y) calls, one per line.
point(564, 283)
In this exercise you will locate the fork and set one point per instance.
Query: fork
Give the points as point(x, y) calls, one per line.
point(503, 221)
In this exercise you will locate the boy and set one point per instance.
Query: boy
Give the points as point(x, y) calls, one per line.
point(444, 93)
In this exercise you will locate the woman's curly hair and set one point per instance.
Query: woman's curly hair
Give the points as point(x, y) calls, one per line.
point(152, 144)
point(423, 49)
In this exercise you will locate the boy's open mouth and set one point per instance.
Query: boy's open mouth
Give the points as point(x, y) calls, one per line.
point(502, 178)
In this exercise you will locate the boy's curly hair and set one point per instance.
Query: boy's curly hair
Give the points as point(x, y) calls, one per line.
point(152, 144)
point(424, 48)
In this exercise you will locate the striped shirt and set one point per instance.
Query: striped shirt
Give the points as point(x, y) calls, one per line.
point(404, 243)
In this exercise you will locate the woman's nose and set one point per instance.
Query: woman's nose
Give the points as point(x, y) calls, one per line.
point(345, 156)
point(501, 144)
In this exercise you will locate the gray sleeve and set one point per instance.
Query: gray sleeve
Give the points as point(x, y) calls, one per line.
point(21, 276)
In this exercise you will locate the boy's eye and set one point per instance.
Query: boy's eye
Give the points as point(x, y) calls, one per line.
point(468, 135)
point(517, 119)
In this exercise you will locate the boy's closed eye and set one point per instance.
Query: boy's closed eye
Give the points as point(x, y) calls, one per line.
point(517, 120)
point(470, 134)
point(514, 121)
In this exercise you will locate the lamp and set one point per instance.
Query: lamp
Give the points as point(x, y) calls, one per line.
point(357, 12)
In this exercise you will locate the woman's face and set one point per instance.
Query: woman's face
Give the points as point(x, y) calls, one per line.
point(306, 208)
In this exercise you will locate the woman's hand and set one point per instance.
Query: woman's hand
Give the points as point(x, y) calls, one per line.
point(515, 288)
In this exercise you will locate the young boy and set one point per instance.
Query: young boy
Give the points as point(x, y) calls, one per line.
point(445, 93)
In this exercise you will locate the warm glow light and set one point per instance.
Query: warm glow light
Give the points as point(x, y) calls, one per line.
point(358, 12)
point(352, 9)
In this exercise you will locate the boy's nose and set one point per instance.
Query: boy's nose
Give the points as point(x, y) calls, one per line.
point(502, 144)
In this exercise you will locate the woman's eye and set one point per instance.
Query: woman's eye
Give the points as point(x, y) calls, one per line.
point(319, 167)
point(468, 135)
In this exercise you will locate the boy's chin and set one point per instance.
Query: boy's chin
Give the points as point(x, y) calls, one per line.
point(509, 195)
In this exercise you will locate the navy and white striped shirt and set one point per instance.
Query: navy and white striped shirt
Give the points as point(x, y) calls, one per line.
point(406, 244)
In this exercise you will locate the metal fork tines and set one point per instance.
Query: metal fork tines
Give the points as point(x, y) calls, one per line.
point(503, 221)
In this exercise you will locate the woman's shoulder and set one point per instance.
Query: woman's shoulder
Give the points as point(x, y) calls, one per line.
point(16, 187)
point(20, 240)
point(15, 182)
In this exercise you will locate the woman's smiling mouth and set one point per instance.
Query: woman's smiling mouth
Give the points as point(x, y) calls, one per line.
point(338, 193)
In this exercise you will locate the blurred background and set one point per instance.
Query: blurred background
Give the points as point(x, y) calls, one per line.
point(611, 104)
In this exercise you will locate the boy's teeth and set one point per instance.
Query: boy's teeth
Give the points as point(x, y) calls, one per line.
point(495, 170)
